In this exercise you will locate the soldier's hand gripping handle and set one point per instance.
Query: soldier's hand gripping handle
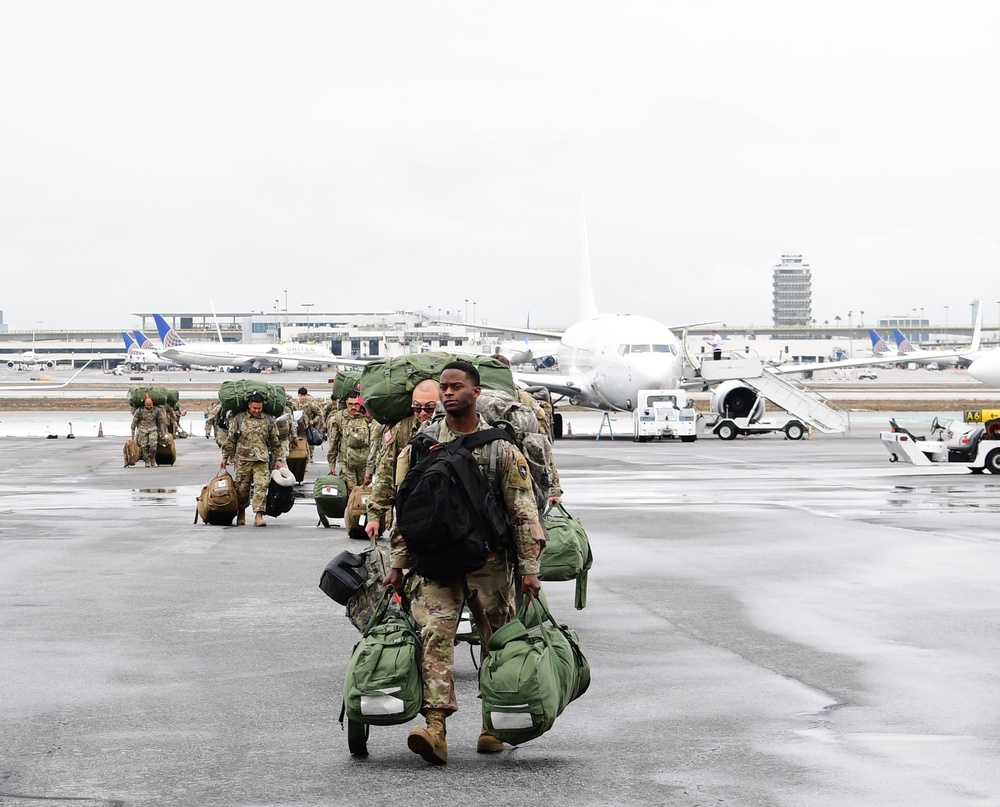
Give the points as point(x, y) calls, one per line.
point(394, 579)
point(530, 583)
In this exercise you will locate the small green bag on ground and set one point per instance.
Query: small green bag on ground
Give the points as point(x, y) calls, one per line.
point(233, 396)
point(387, 384)
point(567, 554)
point(383, 685)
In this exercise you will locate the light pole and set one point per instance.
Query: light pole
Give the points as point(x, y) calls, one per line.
point(473, 312)
point(466, 310)
point(277, 322)
point(286, 306)
point(861, 323)
point(307, 306)
point(946, 320)
point(849, 315)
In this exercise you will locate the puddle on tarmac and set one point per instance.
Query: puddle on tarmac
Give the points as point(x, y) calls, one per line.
point(77, 498)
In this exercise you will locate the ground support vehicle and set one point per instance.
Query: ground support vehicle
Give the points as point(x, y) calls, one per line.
point(953, 443)
point(727, 428)
point(662, 413)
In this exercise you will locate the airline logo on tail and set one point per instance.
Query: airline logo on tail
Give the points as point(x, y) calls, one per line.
point(903, 345)
point(129, 342)
point(143, 341)
point(168, 335)
point(879, 346)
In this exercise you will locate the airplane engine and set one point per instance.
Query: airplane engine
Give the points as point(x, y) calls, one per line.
point(49, 364)
point(11, 364)
point(545, 361)
point(736, 400)
point(288, 364)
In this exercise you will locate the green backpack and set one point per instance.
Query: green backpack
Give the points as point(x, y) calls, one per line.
point(233, 396)
point(383, 684)
point(387, 384)
point(567, 554)
point(161, 396)
point(344, 382)
point(530, 676)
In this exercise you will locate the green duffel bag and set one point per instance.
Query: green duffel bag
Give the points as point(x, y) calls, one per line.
point(521, 681)
point(161, 396)
point(387, 384)
point(383, 685)
point(330, 494)
point(567, 554)
point(344, 382)
point(233, 396)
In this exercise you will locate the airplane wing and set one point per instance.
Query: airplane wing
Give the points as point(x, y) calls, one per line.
point(65, 383)
point(504, 328)
point(930, 355)
point(564, 385)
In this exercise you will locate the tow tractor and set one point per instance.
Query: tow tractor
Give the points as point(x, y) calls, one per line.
point(664, 413)
point(976, 446)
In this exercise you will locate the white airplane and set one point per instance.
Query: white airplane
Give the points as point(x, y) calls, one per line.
point(985, 368)
point(9, 388)
point(30, 358)
point(605, 359)
point(235, 354)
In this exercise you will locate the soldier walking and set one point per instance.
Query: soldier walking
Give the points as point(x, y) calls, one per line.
point(437, 604)
point(251, 443)
point(149, 424)
point(350, 439)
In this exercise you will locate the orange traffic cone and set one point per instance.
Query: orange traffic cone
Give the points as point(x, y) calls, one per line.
point(569, 429)
point(100, 430)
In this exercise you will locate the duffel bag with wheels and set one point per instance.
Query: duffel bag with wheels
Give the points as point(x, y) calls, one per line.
point(330, 494)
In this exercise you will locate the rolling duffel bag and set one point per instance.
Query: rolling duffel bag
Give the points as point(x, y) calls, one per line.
point(355, 514)
point(218, 502)
point(330, 495)
point(298, 458)
point(166, 450)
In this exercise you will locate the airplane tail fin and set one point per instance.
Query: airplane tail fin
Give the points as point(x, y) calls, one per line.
point(588, 307)
point(976, 331)
point(903, 345)
point(128, 340)
point(143, 341)
point(168, 336)
point(879, 346)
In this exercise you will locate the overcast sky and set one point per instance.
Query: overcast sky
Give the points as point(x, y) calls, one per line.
point(412, 155)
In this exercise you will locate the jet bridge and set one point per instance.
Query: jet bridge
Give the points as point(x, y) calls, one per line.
point(794, 398)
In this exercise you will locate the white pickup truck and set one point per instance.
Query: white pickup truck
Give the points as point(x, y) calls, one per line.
point(664, 413)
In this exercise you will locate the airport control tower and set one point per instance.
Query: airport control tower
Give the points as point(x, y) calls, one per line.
point(792, 292)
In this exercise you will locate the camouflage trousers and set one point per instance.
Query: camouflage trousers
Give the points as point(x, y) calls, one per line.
point(253, 473)
point(353, 472)
point(146, 438)
point(436, 608)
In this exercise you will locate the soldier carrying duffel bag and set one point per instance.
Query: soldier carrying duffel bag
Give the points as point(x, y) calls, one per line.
point(567, 554)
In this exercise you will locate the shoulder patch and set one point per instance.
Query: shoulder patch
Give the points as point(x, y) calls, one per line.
point(388, 437)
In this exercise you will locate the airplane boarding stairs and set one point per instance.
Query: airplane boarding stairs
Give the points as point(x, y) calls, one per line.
point(794, 398)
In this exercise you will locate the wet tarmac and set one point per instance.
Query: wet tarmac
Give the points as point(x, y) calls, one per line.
point(769, 623)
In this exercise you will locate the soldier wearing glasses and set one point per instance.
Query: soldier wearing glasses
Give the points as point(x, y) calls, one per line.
point(350, 440)
point(425, 400)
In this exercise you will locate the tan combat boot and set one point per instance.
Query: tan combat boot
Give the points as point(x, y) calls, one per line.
point(152, 461)
point(488, 744)
point(430, 742)
point(241, 518)
point(258, 519)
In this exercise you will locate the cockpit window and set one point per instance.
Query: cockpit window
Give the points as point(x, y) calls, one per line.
point(625, 350)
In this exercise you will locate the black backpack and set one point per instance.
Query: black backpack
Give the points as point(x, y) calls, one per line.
point(445, 509)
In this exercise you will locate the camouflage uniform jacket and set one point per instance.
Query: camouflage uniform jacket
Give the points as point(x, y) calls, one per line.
point(379, 432)
point(252, 439)
point(147, 420)
point(384, 479)
point(312, 413)
point(513, 482)
point(350, 440)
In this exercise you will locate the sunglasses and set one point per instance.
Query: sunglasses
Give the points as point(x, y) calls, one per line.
point(424, 408)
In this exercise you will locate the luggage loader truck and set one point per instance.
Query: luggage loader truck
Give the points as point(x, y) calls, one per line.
point(664, 413)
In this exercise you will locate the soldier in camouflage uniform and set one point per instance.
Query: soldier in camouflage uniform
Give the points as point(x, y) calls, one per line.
point(437, 604)
point(423, 404)
point(311, 415)
point(285, 424)
point(251, 443)
point(350, 439)
point(213, 422)
point(149, 424)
